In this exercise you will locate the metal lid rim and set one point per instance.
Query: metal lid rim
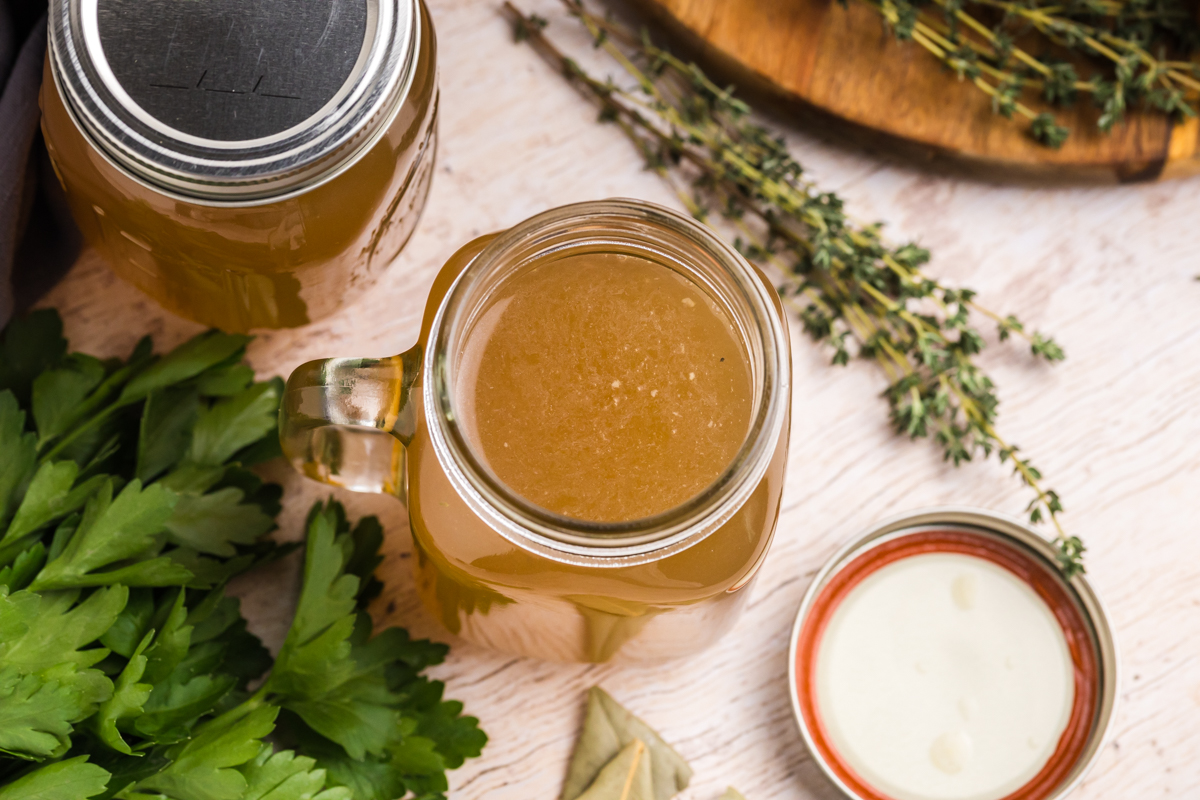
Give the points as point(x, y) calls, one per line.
point(1093, 606)
point(323, 145)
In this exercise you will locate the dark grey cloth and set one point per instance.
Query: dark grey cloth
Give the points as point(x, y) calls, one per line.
point(38, 241)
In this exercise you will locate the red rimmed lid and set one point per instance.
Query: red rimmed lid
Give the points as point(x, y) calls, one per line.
point(1046, 583)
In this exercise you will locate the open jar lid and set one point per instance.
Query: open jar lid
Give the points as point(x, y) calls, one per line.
point(233, 100)
point(944, 656)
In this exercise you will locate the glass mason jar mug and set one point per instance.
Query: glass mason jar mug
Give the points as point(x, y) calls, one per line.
point(246, 163)
point(639, 368)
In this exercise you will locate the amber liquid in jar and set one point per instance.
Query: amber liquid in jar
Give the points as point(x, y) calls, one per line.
point(604, 387)
point(275, 263)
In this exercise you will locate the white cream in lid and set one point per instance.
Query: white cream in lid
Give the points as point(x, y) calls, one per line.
point(944, 676)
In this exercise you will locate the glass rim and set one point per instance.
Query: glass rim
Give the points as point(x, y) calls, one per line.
point(534, 527)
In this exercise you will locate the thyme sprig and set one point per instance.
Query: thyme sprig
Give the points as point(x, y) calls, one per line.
point(850, 290)
point(1139, 52)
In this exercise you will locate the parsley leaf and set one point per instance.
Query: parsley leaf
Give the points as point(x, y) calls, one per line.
point(361, 698)
point(205, 766)
point(31, 344)
point(59, 394)
point(49, 497)
point(20, 572)
point(213, 523)
point(176, 703)
point(112, 531)
point(192, 670)
point(40, 631)
point(126, 632)
point(410, 763)
point(315, 673)
point(286, 776)
point(172, 642)
point(73, 779)
point(126, 702)
point(37, 712)
point(225, 381)
point(44, 669)
point(234, 422)
point(166, 432)
point(20, 453)
point(185, 362)
point(457, 737)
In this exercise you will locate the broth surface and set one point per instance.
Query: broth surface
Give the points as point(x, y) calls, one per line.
point(605, 387)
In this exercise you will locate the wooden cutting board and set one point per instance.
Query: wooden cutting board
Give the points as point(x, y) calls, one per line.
point(839, 60)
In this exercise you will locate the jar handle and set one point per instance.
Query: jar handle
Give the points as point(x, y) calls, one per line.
point(346, 421)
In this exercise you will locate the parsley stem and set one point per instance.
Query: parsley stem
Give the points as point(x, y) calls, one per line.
point(92, 422)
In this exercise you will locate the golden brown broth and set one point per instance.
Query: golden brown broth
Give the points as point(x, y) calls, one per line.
point(605, 387)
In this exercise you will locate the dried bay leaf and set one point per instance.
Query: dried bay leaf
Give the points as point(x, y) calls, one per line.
point(598, 744)
point(607, 729)
point(626, 777)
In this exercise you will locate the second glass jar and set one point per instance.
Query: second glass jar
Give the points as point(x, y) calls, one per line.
point(246, 163)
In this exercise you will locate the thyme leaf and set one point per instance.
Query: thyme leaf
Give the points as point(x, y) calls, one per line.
point(1138, 53)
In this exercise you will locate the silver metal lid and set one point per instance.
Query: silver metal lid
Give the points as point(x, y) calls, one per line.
point(233, 100)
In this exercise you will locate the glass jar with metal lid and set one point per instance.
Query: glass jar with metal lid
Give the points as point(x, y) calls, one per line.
point(247, 163)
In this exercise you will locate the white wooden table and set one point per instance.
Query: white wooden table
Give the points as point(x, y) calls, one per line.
point(1116, 428)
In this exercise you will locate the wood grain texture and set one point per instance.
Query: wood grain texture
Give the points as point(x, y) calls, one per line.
point(839, 59)
point(1116, 428)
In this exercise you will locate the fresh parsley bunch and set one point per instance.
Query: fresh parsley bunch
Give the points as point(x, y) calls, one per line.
point(125, 671)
